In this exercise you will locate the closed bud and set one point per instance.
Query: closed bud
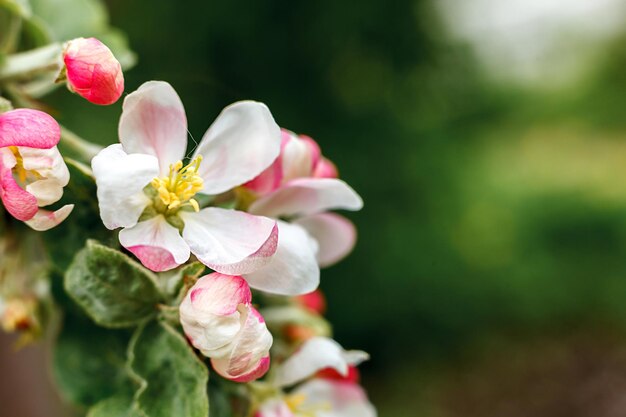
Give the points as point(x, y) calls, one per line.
point(92, 71)
point(218, 320)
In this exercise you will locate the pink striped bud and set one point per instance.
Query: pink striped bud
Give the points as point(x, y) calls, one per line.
point(92, 71)
point(219, 320)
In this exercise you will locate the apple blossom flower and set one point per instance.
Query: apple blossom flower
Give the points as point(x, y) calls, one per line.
point(32, 171)
point(146, 189)
point(92, 71)
point(301, 185)
point(319, 396)
point(219, 320)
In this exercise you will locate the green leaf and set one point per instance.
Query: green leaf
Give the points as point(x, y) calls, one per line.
point(174, 380)
point(87, 18)
point(89, 362)
point(35, 34)
point(117, 42)
point(19, 7)
point(118, 406)
point(68, 19)
point(113, 289)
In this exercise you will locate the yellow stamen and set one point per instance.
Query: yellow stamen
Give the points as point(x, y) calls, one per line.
point(295, 403)
point(19, 169)
point(182, 183)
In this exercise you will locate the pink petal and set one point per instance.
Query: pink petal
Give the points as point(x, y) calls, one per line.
point(156, 243)
point(211, 312)
point(293, 270)
point(335, 236)
point(229, 241)
point(153, 122)
point(31, 128)
point(325, 169)
point(314, 150)
point(45, 220)
point(19, 203)
point(299, 156)
point(269, 180)
point(314, 355)
point(306, 196)
point(92, 71)
point(242, 142)
point(219, 294)
point(249, 356)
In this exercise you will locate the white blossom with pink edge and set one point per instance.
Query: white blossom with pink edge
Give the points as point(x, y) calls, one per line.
point(92, 71)
point(219, 320)
point(318, 397)
point(32, 171)
point(144, 187)
point(302, 185)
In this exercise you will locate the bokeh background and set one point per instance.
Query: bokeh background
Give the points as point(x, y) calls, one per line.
point(488, 140)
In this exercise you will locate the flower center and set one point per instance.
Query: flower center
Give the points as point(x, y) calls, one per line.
point(21, 174)
point(295, 404)
point(177, 189)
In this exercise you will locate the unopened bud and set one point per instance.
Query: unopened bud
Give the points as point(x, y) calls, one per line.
point(92, 71)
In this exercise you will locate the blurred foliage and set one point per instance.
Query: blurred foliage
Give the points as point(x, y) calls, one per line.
point(488, 208)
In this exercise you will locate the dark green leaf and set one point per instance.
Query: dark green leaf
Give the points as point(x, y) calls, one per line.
point(113, 289)
point(89, 361)
point(118, 406)
point(174, 379)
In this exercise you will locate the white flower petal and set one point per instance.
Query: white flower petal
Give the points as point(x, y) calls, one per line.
point(305, 196)
point(314, 355)
point(335, 399)
point(48, 163)
point(335, 236)
point(153, 122)
point(156, 243)
point(230, 241)
point(121, 179)
point(51, 170)
point(46, 220)
point(239, 145)
point(293, 269)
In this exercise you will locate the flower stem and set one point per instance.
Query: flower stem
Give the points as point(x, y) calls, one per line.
point(25, 64)
point(79, 146)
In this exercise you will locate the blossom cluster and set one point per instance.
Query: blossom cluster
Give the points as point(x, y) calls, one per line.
point(251, 201)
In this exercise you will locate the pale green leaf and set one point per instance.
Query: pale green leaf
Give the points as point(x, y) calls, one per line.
point(114, 290)
point(19, 7)
point(89, 362)
point(118, 406)
point(174, 380)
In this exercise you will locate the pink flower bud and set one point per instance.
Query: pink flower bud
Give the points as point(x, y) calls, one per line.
point(218, 320)
point(92, 71)
point(314, 301)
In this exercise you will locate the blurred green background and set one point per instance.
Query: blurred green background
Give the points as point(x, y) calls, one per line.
point(488, 140)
